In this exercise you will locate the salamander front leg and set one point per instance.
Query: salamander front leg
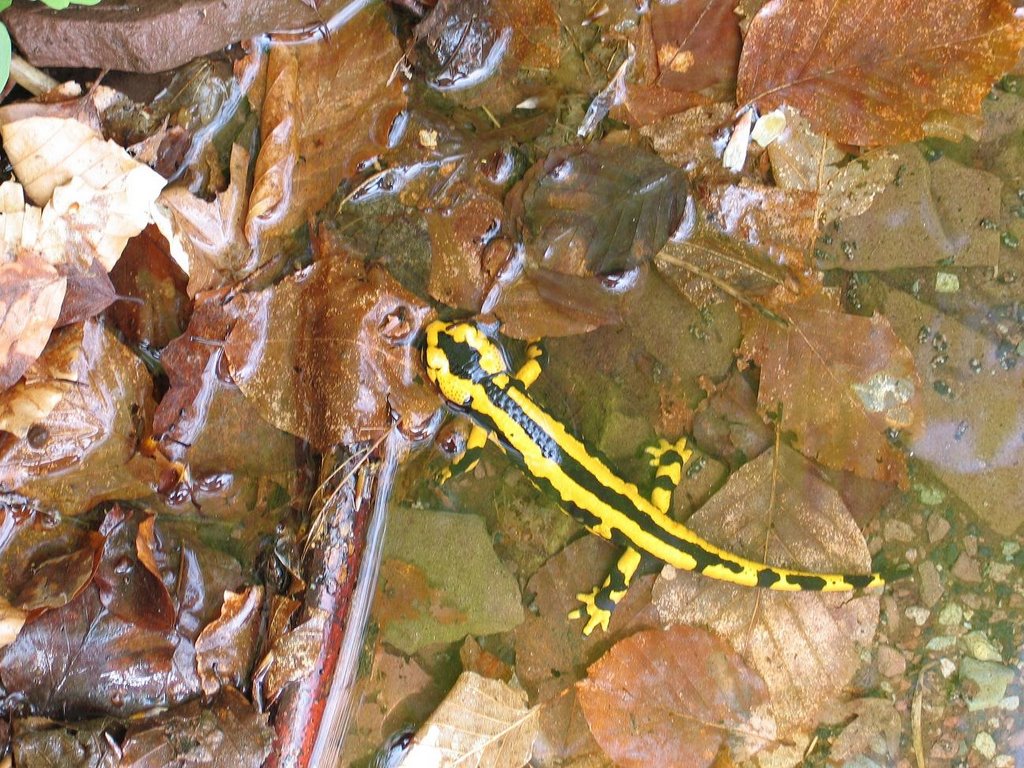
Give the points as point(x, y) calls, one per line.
point(536, 358)
point(668, 460)
point(599, 603)
point(468, 459)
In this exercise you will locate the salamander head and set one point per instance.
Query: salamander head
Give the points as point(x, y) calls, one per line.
point(457, 356)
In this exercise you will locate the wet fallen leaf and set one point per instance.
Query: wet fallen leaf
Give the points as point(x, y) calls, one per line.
point(211, 232)
point(481, 722)
point(292, 656)
point(38, 742)
point(329, 106)
point(546, 304)
point(871, 73)
point(76, 422)
point(727, 424)
point(455, 587)
point(839, 399)
point(801, 159)
point(493, 54)
point(597, 209)
point(971, 435)
point(693, 140)
point(226, 648)
point(673, 697)
point(328, 354)
point(225, 732)
point(873, 732)
point(81, 657)
point(929, 212)
point(31, 295)
point(687, 54)
point(805, 645)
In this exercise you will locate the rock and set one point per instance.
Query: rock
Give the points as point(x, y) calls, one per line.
point(947, 667)
point(991, 680)
point(891, 663)
point(978, 645)
point(931, 583)
point(951, 615)
point(966, 568)
point(1010, 703)
point(898, 530)
point(985, 745)
point(999, 572)
point(938, 527)
point(918, 614)
point(941, 643)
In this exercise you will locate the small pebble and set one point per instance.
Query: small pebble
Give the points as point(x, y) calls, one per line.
point(891, 662)
point(999, 572)
point(941, 643)
point(898, 530)
point(951, 615)
point(980, 647)
point(931, 584)
point(918, 614)
point(1010, 703)
point(971, 545)
point(1004, 761)
point(947, 667)
point(938, 527)
point(985, 745)
point(990, 679)
point(966, 568)
point(1010, 549)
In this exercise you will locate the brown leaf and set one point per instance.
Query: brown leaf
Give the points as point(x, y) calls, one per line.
point(687, 54)
point(874, 732)
point(212, 232)
point(226, 648)
point(226, 732)
point(839, 399)
point(328, 354)
point(542, 303)
point(329, 106)
point(481, 722)
point(672, 697)
point(806, 645)
point(871, 73)
point(292, 656)
point(78, 418)
point(31, 294)
point(727, 424)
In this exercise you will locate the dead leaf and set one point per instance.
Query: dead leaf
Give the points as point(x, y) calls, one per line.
point(597, 209)
point(805, 645)
point(328, 354)
point(441, 593)
point(873, 733)
point(673, 697)
point(226, 732)
point(329, 107)
point(292, 657)
point(801, 159)
point(79, 416)
point(481, 722)
point(727, 424)
point(546, 304)
point(693, 140)
point(871, 73)
point(971, 437)
point(212, 233)
point(31, 295)
point(928, 213)
point(839, 399)
point(226, 648)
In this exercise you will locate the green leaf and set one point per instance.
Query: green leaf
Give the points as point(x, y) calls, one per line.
point(5, 51)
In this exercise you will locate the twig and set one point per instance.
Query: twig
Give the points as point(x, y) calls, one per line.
point(32, 79)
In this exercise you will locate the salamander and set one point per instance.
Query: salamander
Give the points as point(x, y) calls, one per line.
point(472, 373)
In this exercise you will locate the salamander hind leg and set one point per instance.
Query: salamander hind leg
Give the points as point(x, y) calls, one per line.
point(536, 359)
point(468, 459)
point(599, 603)
point(668, 460)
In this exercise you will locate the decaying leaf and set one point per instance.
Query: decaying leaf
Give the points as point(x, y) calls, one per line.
point(971, 437)
point(695, 139)
point(839, 399)
point(870, 73)
point(546, 304)
point(481, 722)
point(873, 728)
point(223, 733)
point(805, 645)
point(328, 354)
point(801, 159)
point(929, 212)
point(727, 424)
point(292, 656)
point(39, 741)
point(597, 209)
point(672, 697)
point(453, 588)
point(329, 106)
point(226, 648)
point(76, 422)
point(31, 295)
point(211, 233)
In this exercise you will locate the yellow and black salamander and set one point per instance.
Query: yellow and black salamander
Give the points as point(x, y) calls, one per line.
point(472, 373)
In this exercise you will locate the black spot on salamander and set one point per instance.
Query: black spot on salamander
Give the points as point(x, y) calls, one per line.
point(812, 583)
point(604, 601)
point(858, 581)
point(766, 577)
point(706, 559)
point(670, 457)
point(617, 580)
point(664, 482)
